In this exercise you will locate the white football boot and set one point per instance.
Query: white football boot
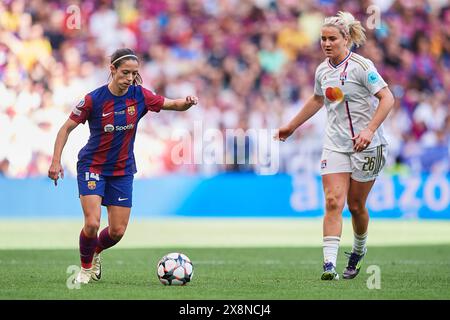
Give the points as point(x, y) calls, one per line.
point(83, 276)
point(96, 273)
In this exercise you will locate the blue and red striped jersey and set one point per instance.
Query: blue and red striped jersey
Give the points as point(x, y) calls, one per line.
point(113, 123)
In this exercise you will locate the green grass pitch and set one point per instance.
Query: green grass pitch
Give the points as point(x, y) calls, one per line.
point(226, 269)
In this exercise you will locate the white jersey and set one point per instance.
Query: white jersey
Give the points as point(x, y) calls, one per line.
point(348, 91)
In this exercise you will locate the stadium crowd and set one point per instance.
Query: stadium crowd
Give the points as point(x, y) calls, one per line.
point(251, 63)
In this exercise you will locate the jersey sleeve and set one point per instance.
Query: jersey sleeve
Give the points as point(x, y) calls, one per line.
point(82, 110)
point(317, 84)
point(153, 102)
point(371, 79)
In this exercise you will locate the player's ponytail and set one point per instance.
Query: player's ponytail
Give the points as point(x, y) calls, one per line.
point(348, 26)
point(124, 54)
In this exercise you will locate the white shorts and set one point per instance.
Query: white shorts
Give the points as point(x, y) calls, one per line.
point(364, 166)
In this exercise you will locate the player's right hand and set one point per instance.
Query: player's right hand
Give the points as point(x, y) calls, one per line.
point(283, 133)
point(191, 100)
point(55, 171)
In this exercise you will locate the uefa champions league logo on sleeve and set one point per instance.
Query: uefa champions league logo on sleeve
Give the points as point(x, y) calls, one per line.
point(373, 77)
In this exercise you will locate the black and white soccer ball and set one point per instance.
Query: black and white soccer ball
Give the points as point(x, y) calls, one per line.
point(175, 269)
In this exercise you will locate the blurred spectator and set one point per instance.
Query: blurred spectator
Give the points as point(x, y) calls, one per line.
point(4, 166)
point(399, 168)
point(251, 63)
point(240, 150)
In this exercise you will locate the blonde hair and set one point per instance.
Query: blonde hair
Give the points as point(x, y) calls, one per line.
point(348, 26)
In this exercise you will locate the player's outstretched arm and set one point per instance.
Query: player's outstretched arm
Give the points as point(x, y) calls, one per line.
point(312, 105)
point(56, 169)
point(180, 104)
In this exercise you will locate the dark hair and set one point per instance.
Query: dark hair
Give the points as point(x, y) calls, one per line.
point(123, 52)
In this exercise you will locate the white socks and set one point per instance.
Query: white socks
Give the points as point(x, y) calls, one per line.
point(330, 249)
point(359, 243)
point(331, 246)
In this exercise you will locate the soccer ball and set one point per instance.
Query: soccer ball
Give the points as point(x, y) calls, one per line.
point(175, 269)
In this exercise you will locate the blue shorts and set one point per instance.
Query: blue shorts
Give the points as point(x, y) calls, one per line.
point(115, 191)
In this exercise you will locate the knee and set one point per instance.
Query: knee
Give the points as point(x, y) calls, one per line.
point(357, 208)
point(91, 228)
point(117, 232)
point(334, 203)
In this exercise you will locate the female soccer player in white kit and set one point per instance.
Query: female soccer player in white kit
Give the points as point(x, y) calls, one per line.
point(354, 149)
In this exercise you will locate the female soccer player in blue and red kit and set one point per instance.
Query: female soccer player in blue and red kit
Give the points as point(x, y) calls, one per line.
point(106, 164)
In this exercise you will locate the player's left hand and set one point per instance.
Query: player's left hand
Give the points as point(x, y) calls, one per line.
point(362, 140)
point(191, 100)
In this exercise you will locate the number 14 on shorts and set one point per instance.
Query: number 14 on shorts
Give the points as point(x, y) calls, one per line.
point(91, 175)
